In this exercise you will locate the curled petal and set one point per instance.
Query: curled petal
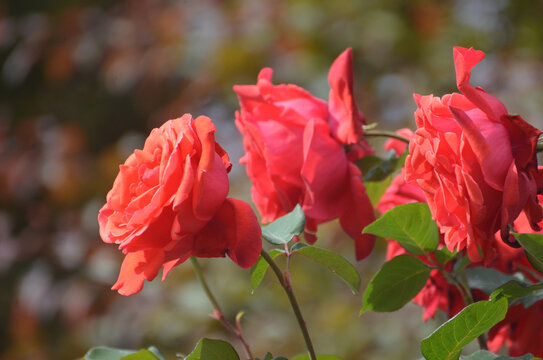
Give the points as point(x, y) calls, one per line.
point(137, 267)
point(358, 215)
point(234, 231)
point(344, 119)
point(464, 61)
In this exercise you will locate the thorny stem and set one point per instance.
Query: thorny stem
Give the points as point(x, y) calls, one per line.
point(284, 280)
point(383, 133)
point(218, 314)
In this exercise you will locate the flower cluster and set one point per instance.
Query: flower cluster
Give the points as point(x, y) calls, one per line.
point(474, 164)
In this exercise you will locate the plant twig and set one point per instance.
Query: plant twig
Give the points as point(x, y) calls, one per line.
point(463, 287)
point(293, 302)
point(464, 281)
point(217, 313)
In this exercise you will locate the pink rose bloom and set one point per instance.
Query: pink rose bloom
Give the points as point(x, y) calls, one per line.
point(169, 202)
point(475, 163)
point(295, 148)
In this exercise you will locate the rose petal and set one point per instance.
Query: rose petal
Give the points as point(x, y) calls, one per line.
point(137, 267)
point(234, 231)
point(344, 119)
point(464, 61)
point(358, 215)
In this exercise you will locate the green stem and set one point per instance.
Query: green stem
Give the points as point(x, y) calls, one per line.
point(293, 302)
point(200, 276)
point(539, 147)
point(389, 134)
point(218, 314)
point(463, 286)
point(464, 289)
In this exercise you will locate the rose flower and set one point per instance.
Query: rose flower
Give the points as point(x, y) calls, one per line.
point(169, 202)
point(300, 150)
point(475, 163)
point(520, 330)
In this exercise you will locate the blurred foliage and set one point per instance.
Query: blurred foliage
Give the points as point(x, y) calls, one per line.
point(82, 82)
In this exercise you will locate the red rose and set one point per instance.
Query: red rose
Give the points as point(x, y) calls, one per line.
point(295, 152)
point(520, 330)
point(169, 202)
point(475, 163)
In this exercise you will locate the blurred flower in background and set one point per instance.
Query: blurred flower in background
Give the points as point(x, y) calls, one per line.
point(82, 81)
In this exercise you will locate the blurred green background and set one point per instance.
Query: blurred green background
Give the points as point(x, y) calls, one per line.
point(81, 84)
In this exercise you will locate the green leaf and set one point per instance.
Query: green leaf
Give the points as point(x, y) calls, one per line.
point(298, 246)
point(449, 339)
point(443, 255)
point(368, 162)
point(487, 355)
point(409, 224)
point(210, 349)
point(533, 247)
point(335, 263)
point(398, 281)
point(487, 279)
point(285, 228)
point(514, 290)
point(155, 351)
point(376, 169)
point(259, 268)
point(512, 286)
point(376, 189)
point(141, 355)
point(108, 353)
point(319, 357)
point(378, 174)
point(534, 261)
